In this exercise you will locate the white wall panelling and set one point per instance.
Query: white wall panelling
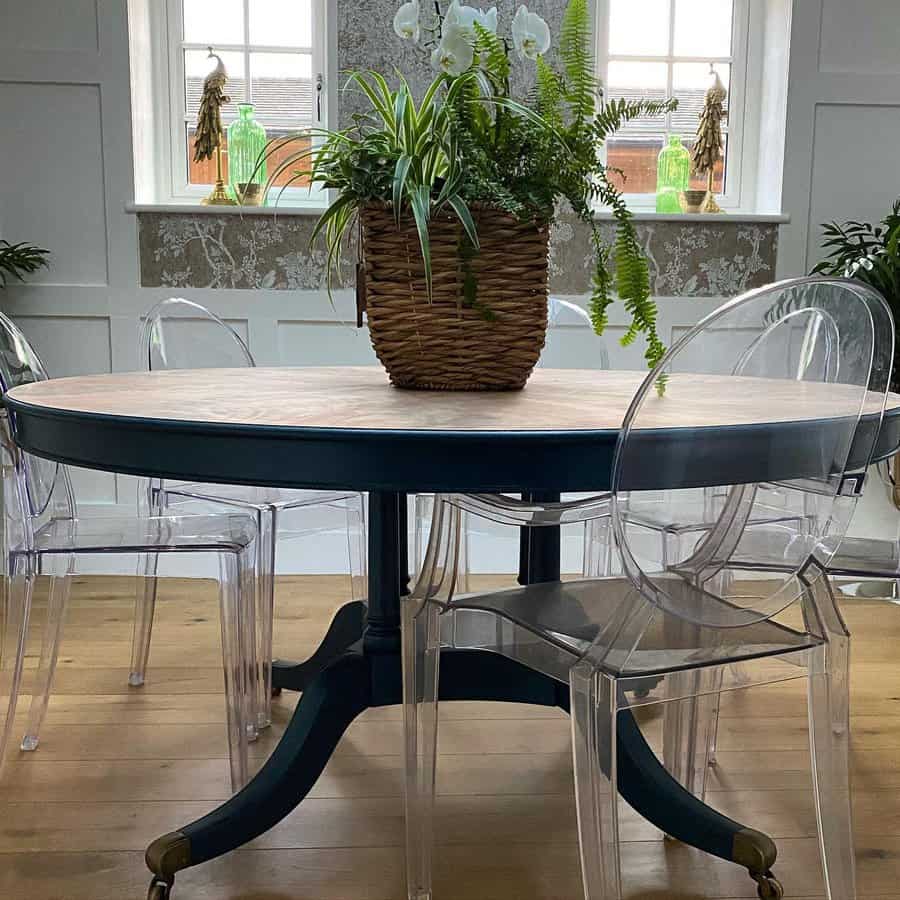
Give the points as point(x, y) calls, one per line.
point(75, 26)
point(840, 159)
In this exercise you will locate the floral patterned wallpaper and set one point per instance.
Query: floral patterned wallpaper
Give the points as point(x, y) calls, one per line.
point(690, 259)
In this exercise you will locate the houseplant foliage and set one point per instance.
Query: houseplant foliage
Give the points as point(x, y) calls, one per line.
point(869, 253)
point(468, 144)
point(863, 251)
point(19, 260)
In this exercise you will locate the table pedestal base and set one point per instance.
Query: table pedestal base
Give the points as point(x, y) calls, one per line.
point(367, 673)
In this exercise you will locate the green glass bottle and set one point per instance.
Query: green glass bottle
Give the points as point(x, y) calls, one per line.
point(673, 175)
point(246, 140)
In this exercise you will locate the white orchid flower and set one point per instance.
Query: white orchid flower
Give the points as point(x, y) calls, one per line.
point(465, 17)
point(531, 35)
point(406, 21)
point(454, 54)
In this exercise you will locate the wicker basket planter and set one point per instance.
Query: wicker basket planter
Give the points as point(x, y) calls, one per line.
point(446, 344)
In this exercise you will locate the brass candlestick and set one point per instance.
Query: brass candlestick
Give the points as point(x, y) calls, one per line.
point(709, 204)
point(219, 196)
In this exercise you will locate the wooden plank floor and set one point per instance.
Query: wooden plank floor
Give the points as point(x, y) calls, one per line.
point(119, 766)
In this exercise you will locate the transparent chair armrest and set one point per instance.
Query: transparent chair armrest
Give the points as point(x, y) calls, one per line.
point(511, 511)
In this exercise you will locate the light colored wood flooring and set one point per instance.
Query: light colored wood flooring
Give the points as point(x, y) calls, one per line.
point(119, 766)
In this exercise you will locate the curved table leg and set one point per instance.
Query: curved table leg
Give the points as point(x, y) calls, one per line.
point(332, 700)
point(370, 675)
point(346, 629)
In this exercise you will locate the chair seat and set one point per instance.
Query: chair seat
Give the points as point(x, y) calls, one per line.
point(249, 497)
point(228, 533)
point(675, 515)
point(571, 614)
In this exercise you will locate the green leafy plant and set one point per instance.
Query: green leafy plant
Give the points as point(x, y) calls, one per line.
point(19, 260)
point(861, 250)
point(467, 142)
point(869, 253)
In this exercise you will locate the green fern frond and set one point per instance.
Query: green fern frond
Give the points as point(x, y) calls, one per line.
point(581, 88)
point(616, 113)
point(493, 58)
point(549, 93)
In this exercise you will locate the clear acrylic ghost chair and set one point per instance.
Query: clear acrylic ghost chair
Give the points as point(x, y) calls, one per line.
point(563, 318)
point(43, 535)
point(181, 334)
point(677, 625)
point(805, 325)
point(810, 343)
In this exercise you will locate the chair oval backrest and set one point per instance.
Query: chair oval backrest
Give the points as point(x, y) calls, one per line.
point(182, 334)
point(43, 480)
point(784, 384)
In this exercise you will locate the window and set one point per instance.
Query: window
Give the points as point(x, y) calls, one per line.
point(273, 52)
point(663, 48)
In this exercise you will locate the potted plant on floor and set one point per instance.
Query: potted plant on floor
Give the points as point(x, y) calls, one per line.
point(452, 196)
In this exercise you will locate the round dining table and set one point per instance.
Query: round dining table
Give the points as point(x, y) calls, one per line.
point(348, 428)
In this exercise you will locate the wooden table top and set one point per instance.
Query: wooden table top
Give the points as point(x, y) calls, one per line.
point(554, 400)
point(348, 428)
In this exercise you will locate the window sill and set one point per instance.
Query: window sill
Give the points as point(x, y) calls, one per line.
point(706, 218)
point(316, 208)
point(312, 208)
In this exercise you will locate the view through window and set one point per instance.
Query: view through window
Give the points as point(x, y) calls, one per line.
point(658, 49)
point(267, 49)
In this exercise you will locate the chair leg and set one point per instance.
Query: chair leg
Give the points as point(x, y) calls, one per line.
point(266, 542)
point(144, 611)
point(829, 731)
point(593, 719)
point(829, 740)
point(421, 664)
point(357, 548)
point(17, 612)
point(57, 609)
point(690, 725)
point(599, 549)
point(238, 646)
point(151, 502)
point(422, 520)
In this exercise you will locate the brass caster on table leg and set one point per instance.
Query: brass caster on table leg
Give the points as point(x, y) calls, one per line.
point(757, 851)
point(768, 887)
point(159, 890)
point(165, 856)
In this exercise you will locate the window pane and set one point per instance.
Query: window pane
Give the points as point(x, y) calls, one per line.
point(636, 156)
point(281, 86)
point(214, 21)
point(282, 154)
point(281, 23)
point(639, 27)
point(197, 66)
point(636, 80)
point(690, 81)
point(204, 172)
point(703, 27)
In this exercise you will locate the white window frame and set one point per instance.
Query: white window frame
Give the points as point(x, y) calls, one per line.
point(171, 166)
point(742, 105)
